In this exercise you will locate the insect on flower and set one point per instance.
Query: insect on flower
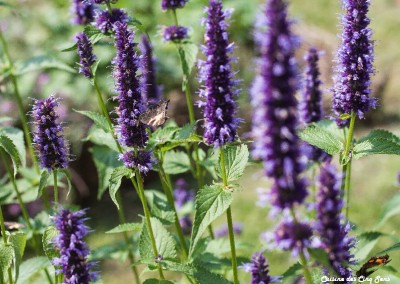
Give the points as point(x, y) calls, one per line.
point(366, 269)
point(155, 115)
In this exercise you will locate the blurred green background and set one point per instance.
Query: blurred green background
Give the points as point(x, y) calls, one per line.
point(38, 27)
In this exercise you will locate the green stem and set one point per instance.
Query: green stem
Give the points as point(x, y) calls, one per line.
point(55, 188)
point(303, 259)
point(109, 9)
point(347, 188)
point(3, 233)
point(147, 217)
point(230, 223)
point(121, 214)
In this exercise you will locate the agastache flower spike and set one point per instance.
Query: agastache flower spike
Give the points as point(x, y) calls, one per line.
point(334, 233)
point(105, 21)
point(142, 160)
point(49, 138)
point(82, 11)
point(355, 63)
point(175, 33)
point(258, 267)
point(293, 236)
point(150, 89)
point(126, 64)
point(275, 108)
point(219, 84)
point(311, 102)
point(73, 260)
point(172, 4)
point(85, 52)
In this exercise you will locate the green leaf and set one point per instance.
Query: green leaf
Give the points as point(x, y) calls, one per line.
point(176, 162)
point(31, 267)
point(381, 134)
point(8, 145)
point(390, 209)
point(186, 131)
point(211, 202)
point(127, 227)
point(97, 118)
point(6, 257)
point(391, 270)
point(105, 161)
point(115, 250)
point(211, 163)
point(367, 242)
point(41, 62)
point(115, 181)
point(18, 241)
point(320, 256)
point(44, 176)
point(165, 243)
point(156, 281)
point(159, 206)
point(321, 138)
point(236, 158)
point(94, 34)
point(377, 142)
point(292, 270)
point(205, 276)
point(187, 53)
point(17, 137)
point(332, 128)
point(100, 137)
point(390, 249)
point(68, 177)
point(47, 240)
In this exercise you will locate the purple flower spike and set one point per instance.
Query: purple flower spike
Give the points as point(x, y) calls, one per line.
point(259, 269)
point(275, 107)
point(175, 33)
point(82, 11)
point(106, 21)
point(141, 160)
point(73, 260)
point(150, 89)
point(172, 4)
point(355, 63)
point(127, 84)
point(293, 236)
point(334, 234)
point(49, 138)
point(219, 88)
point(85, 52)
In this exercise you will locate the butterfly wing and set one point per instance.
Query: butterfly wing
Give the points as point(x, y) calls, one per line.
point(155, 115)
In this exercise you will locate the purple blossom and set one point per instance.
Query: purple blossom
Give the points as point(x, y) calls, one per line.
point(223, 230)
point(172, 4)
point(275, 107)
point(105, 21)
point(85, 52)
point(127, 84)
point(142, 160)
point(175, 33)
point(293, 236)
point(334, 234)
point(355, 63)
point(219, 88)
point(150, 89)
point(186, 224)
point(49, 138)
point(82, 11)
point(73, 260)
point(100, 1)
point(182, 194)
point(258, 267)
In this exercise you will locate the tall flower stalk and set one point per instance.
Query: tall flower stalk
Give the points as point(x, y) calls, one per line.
point(219, 92)
point(275, 120)
point(353, 76)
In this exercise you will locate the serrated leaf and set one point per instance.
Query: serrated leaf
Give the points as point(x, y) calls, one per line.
point(211, 202)
point(17, 137)
point(390, 209)
point(6, 257)
point(186, 131)
point(176, 162)
point(165, 243)
point(18, 241)
point(367, 242)
point(100, 137)
point(9, 147)
point(47, 240)
point(321, 138)
point(94, 34)
point(97, 118)
point(292, 270)
point(44, 176)
point(236, 158)
point(41, 62)
point(31, 267)
point(115, 181)
point(390, 249)
point(187, 53)
point(68, 178)
point(156, 281)
point(205, 276)
point(127, 227)
point(332, 128)
point(159, 207)
point(378, 142)
point(105, 161)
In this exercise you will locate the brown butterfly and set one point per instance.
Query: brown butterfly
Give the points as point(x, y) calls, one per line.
point(366, 269)
point(13, 226)
point(155, 115)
